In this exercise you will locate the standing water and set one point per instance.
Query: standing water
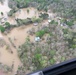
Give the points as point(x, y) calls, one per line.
point(4, 8)
point(6, 57)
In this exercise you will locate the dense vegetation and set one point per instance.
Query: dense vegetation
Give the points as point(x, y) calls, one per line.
point(57, 44)
point(65, 8)
point(2, 29)
point(60, 42)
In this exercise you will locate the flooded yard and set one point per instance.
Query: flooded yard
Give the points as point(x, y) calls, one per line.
point(23, 14)
point(27, 13)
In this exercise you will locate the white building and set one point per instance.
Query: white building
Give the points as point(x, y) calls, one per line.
point(35, 24)
point(49, 20)
point(37, 39)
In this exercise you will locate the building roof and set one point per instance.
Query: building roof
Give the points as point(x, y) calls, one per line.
point(37, 39)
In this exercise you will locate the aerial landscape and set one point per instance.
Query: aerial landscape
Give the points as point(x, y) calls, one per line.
point(35, 34)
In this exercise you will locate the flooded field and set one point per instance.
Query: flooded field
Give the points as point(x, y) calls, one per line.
point(27, 13)
point(23, 14)
point(18, 35)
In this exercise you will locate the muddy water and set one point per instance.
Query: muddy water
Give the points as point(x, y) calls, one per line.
point(5, 56)
point(11, 20)
point(4, 8)
point(20, 14)
point(23, 13)
point(17, 35)
point(8, 58)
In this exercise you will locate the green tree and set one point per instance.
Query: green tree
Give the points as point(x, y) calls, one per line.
point(27, 10)
point(2, 29)
point(1, 13)
point(7, 24)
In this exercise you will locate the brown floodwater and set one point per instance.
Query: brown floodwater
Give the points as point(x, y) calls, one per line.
point(23, 13)
point(4, 8)
point(17, 35)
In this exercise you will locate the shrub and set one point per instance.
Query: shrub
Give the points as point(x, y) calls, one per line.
point(11, 12)
point(1, 13)
point(27, 10)
point(63, 58)
point(44, 16)
point(40, 33)
point(69, 23)
point(2, 28)
point(24, 21)
point(73, 46)
point(39, 20)
point(7, 24)
point(34, 19)
point(53, 22)
point(46, 9)
point(52, 52)
point(65, 31)
point(52, 61)
point(37, 61)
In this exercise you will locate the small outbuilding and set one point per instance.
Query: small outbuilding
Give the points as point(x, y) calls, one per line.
point(49, 20)
point(37, 39)
point(35, 24)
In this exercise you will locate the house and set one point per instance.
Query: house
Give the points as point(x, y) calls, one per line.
point(37, 39)
point(35, 24)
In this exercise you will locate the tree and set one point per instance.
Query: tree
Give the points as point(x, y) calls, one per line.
point(2, 28)
point(27, 10)
point(7, 24)
point(1, 13)
point(44, 16)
